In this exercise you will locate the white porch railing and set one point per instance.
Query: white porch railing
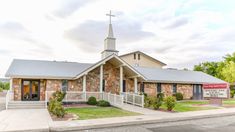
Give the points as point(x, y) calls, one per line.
point(9, 97)
point(113, 99)
point(133, 98)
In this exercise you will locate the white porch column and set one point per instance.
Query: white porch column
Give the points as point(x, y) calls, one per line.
point(101, 78)
point(11, 84)
point(84, 84)
point(121, 79)
point(135, 85)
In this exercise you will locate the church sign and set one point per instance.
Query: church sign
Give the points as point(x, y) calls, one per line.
point(215, 90)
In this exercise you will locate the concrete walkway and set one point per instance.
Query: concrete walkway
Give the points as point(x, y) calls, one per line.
point(143, 111)
point(152, 117)
point(25, 120)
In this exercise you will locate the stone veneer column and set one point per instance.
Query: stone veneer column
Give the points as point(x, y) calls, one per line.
point(121, 79)
point(135, 85)
point(101, 78)
point(84, 84)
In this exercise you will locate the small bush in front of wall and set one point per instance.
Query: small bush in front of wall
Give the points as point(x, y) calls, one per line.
point(149, 100)
point(179, 96)
point(1, 89)
point(92, 101)
point(232, 93)
point(55, 104)
point(158, 101)
point(58, 109)
point(103, 103)
point(170, 102)
point(58, 95)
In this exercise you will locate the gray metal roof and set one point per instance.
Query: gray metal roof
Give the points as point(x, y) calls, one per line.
point(45, 69)
point(177, 76)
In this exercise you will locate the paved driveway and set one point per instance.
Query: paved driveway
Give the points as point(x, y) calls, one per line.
point(24, 119)
point(2, 101)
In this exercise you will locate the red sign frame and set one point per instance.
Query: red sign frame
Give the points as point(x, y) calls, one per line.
point(215, 86)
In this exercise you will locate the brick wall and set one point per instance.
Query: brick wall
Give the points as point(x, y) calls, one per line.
point(16, 85)
point(150, 88)
point(186, 90)
point(75, 85)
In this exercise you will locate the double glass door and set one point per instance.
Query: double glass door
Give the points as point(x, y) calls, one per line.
point(30, 90)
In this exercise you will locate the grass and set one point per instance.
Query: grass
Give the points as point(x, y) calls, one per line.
point(99, 112)
point(185, 106)
point(193, 105)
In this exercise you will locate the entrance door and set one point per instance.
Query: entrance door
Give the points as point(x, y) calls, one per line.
point(124, 86)
point(30, 90)
point(197, 92)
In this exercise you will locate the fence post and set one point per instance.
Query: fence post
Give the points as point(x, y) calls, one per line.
point(143, 100)
point(133, 99)
point(126, 97)
point(114, 99)
point(108, 98)
point(46, 100)
point(84, 96)
point(122, 100)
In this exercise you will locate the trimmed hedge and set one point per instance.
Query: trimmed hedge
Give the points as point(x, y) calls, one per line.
point(179, 96)
point(103, 103)
point(92, 100)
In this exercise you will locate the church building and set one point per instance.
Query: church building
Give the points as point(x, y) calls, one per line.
point(134, 72)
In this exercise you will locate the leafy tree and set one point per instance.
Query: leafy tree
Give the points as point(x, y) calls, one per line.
point(207, 67)
point(229, 57)
point(228, 72)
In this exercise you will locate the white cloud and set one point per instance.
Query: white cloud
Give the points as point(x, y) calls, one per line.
point(179, 33)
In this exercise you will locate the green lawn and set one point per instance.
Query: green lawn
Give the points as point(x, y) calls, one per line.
point(194, 105)
point(185, 106)
point(99, 112)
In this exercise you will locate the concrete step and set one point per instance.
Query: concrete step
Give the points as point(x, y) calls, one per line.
point(26, 105)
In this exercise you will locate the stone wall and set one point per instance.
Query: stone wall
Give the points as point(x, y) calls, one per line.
point(93, 80)
point(111, 76)
point(16, 87)
point(186, 90)
point(53, 85)
point(167, 89)
point(75, 85)
point(150, 88)
point(42, 89)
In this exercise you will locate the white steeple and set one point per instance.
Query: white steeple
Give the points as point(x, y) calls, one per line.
point(109, 42)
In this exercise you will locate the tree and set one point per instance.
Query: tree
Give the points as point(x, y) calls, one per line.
point(207, 67)
point(229, 57)
point(228, 72)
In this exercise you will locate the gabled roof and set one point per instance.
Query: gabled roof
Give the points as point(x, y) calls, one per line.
point(148, 56)
point(45, 69)
point(177, 76)
point(103, 61)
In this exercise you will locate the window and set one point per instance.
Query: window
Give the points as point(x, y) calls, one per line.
point(142, 87)
point(103, 88)
point(64, 85)
point(174, 88)
point(138, 56)
point(134, 56)
point(159, 88)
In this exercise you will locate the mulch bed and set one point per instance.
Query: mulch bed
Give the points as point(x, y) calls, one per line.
point(67, 117)
point(78, 105)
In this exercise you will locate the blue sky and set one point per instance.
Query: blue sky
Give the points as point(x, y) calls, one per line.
point(180, 33)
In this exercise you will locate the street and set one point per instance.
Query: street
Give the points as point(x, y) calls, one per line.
point(219, 124)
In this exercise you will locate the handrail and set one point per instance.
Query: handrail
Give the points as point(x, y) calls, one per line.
point(7, 99)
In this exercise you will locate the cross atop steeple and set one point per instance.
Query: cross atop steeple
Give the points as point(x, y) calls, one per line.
point(110, 16)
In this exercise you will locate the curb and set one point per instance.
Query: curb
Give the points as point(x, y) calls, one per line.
point(137, 122)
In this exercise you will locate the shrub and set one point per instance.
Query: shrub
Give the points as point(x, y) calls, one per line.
point(92, 101)
point(58, 95)
point(232, 92)
point(158, 101)
point(103, 103)
point(179, 96)
point(149, 100)
point(1, 89)
point(58, 109)
point(55, 104)
point(170, 102)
